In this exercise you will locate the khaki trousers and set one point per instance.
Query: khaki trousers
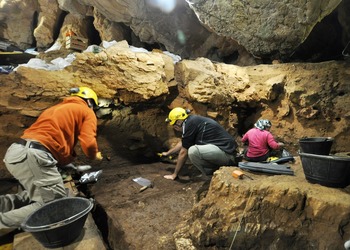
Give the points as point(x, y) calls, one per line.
point(208, 158)
point(37, 172)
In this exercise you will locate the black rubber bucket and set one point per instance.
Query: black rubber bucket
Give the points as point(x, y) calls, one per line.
point(316, 145)
point(60, 222)
point(326, 170)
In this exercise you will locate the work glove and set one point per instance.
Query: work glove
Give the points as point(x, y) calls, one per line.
point(99, 156)
point(163, 155)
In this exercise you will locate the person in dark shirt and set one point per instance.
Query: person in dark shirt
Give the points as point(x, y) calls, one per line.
point(207, 144)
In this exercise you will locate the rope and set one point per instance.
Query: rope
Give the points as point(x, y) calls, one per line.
point(240, 221)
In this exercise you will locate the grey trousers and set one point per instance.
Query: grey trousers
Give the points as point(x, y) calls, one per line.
point(208, 158)
point(37, 172)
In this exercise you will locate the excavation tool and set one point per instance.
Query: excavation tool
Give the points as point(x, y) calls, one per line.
point(280, 160)
point(145, 183)
point(239, 174)
point(70, 170)
point(81, 168)
point(168, 159)
point(91, 177)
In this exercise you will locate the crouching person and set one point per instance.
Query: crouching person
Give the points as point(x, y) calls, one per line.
point(261, 143)
point(204, 141)
point(46, 144)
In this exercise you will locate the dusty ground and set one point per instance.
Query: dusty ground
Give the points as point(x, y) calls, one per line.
point(142, 220)
point(135, 218)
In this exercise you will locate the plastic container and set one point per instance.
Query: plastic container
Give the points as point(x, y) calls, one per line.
point(60, 222)
point(326, 170)
point(316, 145)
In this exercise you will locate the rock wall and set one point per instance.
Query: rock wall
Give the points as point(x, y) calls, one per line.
point(301, 100)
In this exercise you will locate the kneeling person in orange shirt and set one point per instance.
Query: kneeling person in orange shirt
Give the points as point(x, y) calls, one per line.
point(46, 144)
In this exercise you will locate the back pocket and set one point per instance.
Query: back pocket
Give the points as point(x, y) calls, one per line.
point(16, 153)
point(43, 158)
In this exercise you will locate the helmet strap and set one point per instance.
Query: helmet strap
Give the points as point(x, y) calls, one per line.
point(179, 123)
point(90, 103)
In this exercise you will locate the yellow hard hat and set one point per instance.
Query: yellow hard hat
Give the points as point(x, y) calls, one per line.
point(176, 114)
point(84, 92)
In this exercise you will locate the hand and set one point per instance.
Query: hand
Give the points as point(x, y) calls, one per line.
point(69, 166)
point(161, 154)
point(99, 156)
point(170, 176)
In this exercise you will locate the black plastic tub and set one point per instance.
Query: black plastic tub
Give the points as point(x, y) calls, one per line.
point(60, 222)
point(316, 145)
point(326, 170)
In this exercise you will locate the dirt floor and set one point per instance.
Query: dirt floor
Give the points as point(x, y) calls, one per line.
point(136, 219)
point(127, 217)
point(139, 218)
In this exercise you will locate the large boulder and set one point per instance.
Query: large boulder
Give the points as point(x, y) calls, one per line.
point(266, 212)
point(264, 27)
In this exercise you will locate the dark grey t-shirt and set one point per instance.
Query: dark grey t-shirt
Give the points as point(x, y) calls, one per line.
point(201, 130)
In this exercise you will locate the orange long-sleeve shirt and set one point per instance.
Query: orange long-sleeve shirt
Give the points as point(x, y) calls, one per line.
point(60, 127)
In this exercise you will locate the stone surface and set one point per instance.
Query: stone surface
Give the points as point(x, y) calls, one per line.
point(238, 32)
point(280, 212)
point(300, 99)
point(264, 26)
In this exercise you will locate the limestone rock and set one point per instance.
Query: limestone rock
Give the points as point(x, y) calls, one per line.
point(281, 212)
point(305, 94)
point(263, 26)
point(16, 15)
point(47, 21)
point(243, 33)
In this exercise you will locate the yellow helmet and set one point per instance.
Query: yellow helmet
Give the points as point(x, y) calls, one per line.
point(84, 92)
point(176, 114)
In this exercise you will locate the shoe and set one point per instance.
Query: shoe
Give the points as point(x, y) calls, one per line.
point(202, 177)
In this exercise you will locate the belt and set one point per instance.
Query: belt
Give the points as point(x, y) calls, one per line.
point(33, 144)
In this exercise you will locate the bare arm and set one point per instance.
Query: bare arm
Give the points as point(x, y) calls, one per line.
point(173, 150)
point(180, 162)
